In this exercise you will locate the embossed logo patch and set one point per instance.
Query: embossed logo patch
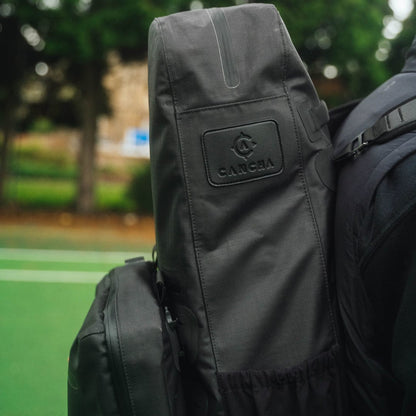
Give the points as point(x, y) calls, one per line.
point(244, 146)
point(243, 153)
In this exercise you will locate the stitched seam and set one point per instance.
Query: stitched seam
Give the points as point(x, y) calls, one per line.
point(90, 334)
point(270, 385)
point(190, 206)
point(164, 372)
point(305, 188)
point(120, 345)
point(401, 114)
point(107, 295)
point(366, 185)
point(197, 255)
point(368, 201)
point(111, 365)
point(219, 106)
point(404, 213)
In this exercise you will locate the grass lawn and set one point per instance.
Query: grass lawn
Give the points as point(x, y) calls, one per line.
point(38, 322)
point(42, 309)
point(35, 193)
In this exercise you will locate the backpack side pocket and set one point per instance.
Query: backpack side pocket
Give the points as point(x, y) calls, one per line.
point(124, 360)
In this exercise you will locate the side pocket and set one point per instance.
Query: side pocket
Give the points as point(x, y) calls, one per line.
point(142, 344)
point(310, 389)
point(125, 358)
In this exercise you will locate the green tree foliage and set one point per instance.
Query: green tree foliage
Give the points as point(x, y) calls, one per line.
point(344, 34)
point(336, 36)
point(140, 190)
point(81, 33)
point(399, 46)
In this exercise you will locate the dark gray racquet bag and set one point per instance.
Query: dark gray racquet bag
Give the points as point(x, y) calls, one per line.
point(243, 197)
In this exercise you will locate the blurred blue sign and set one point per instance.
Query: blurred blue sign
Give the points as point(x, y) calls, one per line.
point(136, 143)
point(141, 137)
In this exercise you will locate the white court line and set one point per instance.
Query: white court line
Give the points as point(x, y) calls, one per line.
point(70, 256)
point(50, 276)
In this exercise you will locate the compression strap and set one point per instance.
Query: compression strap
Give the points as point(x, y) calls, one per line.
point(396, 122)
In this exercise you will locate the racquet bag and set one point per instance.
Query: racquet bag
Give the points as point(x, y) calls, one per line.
point(243, 194)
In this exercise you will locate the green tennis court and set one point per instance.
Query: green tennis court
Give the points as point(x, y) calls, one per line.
point(44, 296)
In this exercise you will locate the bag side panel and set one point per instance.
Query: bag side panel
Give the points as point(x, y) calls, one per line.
point(171, 207)
point(143, 351)
point(90, 384)
point(245, 251)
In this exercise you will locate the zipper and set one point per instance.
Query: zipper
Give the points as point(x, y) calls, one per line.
point(225, 48)
point(114, 350)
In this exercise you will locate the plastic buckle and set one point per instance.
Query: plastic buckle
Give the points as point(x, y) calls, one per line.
point(358, 145)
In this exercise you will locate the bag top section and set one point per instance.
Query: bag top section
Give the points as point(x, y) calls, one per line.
point(252, 44)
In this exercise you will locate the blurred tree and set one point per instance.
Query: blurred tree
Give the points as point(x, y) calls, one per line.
point(18, 58)
point(82, 32)
point(399, 46)
point(337, 40)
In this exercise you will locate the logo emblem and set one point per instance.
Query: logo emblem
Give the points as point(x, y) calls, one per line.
point(243, 146)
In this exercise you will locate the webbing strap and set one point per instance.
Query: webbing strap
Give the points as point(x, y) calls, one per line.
point(398, 121)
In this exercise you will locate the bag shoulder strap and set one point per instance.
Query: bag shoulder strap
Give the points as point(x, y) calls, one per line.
point(396, 122)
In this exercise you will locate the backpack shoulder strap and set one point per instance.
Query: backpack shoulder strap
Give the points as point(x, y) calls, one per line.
point(397, 121)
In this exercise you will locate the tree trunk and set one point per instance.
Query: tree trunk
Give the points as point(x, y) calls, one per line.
point(4, 152)
point(87, 149)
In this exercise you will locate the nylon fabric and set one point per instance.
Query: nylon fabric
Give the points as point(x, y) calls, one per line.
point(373, 250)
point(306, 389)
point(246, 264)
point(122, 361)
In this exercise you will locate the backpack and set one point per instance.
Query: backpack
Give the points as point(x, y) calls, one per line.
point(375, 229)
point(125, 358)
point(242, 183)
point(238, 317)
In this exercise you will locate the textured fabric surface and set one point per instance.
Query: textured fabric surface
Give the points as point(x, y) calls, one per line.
point(241, 178)
point(375, 255)
point(121, 362)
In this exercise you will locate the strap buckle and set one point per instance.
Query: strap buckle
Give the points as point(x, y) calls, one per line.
point(358, 145)
point(398, 121)
point(353, 149)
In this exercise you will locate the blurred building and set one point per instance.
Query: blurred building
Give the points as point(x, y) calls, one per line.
point(125, 130)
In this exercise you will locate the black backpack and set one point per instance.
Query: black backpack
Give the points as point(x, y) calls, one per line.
point(125, 358)
point(375, 245)
point(243, 185)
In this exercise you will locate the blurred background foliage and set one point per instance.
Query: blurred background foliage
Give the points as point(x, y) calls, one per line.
point(55, 56)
